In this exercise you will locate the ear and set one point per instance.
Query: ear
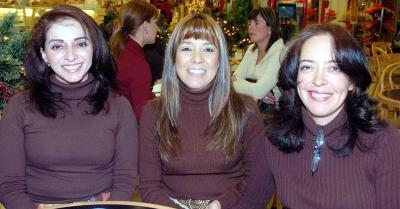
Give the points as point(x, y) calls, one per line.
point(44, 56)
point(145, 26)
point(351, 86)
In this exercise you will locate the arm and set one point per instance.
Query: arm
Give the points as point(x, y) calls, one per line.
point(241, 70)
point(12, 157)
point(126, 154)
point(267, 73)
point(388, 170)
point(259, 182)
point(151, 186)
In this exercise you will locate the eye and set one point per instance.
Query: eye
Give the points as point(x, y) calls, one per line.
point(82, 44)
point(209, 49)
point(334, 68)
point(55, 47)
point(305, 67)
point(185, 49)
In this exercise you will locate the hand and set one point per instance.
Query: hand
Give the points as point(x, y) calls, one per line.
point(269, 98)
point(233, 78)
point(214, 205)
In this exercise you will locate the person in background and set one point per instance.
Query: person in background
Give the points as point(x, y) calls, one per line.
point(154, 55)
point(256, 75)
point(200, 141)
point(328, 148)
point(68, 138)
point(137, 27)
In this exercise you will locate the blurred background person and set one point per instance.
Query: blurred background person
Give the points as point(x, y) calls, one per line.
point(256, 75)
point(68, 138)
point(137, 27)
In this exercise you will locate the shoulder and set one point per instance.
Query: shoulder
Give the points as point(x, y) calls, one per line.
point(384, 140)
point(277, 47)
point(20, 100)
point(118, 101)
point(150, 111)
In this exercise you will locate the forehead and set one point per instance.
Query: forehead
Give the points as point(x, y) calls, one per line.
point(318, 47)
point(65, 29)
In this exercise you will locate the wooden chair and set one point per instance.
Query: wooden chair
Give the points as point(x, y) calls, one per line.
point(108, 205)
point(380, 59)
point(388, 94)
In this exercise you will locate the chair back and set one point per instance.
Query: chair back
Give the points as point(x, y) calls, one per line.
point(108, 205)
point(388, 94)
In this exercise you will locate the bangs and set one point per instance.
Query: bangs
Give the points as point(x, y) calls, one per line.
point(200, 29)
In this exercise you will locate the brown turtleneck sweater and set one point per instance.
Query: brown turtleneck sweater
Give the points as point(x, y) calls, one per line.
point(364, 180)
point(201, 174)
point(71, 158)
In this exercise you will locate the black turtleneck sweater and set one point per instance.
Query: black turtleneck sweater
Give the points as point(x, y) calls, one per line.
point(368, 179)
point(70, 158)
point(198, 173)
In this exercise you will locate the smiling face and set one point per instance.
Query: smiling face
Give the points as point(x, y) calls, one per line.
point(321, 85)
point(68, 50)
point(258, 30)
point(197, 62)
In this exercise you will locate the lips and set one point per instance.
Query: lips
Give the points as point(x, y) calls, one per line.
point(72, 67)
point(319, 96)
point(197, 71)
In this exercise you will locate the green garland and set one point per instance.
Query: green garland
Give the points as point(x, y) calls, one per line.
point(12, 48)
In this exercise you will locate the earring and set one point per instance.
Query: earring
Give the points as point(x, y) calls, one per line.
point(47, 63)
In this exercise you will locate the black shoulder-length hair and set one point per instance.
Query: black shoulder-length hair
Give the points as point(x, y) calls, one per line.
point(286, 127)
point(103, 67)
point(271, 18)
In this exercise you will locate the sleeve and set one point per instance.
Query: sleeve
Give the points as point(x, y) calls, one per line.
point(267, 78)
point(241, 70)
point(12, 157)
point(258, 184)
point(388, 170)
point(151, 186)
point(126, 154)
point(139, 84)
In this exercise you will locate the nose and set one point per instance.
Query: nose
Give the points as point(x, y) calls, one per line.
point(70, 54)
point(319, 77)
point(197, 56)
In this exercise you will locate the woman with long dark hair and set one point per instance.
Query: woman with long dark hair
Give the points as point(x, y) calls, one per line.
point(328, 148)
point(68, 138)
point(200, 141)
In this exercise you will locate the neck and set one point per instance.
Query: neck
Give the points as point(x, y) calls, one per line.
point(138, 39)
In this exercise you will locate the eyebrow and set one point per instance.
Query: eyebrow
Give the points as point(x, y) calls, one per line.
point(307, 60)
point(61, 40)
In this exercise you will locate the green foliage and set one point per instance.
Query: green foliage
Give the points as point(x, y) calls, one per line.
point(12, 49)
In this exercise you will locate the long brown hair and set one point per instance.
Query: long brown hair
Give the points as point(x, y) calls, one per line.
point(131, 16)
point(227, 109)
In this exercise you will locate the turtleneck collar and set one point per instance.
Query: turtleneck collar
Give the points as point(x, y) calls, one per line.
point(134, 46)
point(333, 128)
point(76, 91)
point(195, 97)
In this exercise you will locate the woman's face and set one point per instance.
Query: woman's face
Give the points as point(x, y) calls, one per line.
point(258, 30)
point(152, 29)
point(68, 50)
point(321, 85)
point(196, 63)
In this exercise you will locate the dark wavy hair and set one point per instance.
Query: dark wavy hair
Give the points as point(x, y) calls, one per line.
point(286, 127)
point(271, 18)
point(103, 67)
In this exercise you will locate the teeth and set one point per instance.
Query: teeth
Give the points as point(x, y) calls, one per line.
point(197, 71)
point(319, 95)
point(72, 67)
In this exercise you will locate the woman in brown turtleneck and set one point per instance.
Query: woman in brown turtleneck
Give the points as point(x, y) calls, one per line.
point(200, 141)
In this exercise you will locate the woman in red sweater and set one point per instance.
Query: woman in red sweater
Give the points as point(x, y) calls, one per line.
point(200, 141)
point(137, 27)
